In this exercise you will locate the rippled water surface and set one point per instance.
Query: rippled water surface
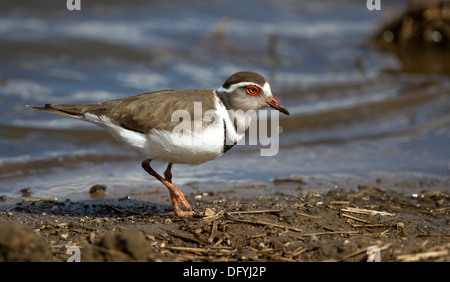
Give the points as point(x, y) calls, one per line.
point(353, 114)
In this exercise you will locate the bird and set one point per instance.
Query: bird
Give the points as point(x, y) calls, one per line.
point(150, 123)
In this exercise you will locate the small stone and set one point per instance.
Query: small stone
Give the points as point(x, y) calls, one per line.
point(26, 192)
point(209, 212)
point(97, 191)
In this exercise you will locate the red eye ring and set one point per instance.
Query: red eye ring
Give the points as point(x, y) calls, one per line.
point(252, 90)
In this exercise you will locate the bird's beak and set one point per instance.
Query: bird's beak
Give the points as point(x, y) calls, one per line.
point(274, 104)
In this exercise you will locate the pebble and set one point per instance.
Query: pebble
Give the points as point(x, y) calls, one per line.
point(209, 212)
point(26, 192)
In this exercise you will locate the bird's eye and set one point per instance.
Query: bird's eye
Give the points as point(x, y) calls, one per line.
point(252, 90)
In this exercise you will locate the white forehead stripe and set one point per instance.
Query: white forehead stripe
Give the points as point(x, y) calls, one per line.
point(265, 88)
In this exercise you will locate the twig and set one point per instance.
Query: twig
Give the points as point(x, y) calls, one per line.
point(257, 222)
point(369, 225)
point(214, 216)
point(339, 202)
point(258, 236)
point(213, 232)
point(424, 256)
point(301, 200)
point(434, 235)
point(366, 211)
point(300, 250)
point(307, 215)
point(331, 233)
point(187, 249)
point(255, 212)
point(355, 218)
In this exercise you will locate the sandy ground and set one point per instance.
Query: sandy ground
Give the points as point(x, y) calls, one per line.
point(337, 226)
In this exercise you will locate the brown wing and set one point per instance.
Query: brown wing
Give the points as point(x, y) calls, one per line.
point(141, 112)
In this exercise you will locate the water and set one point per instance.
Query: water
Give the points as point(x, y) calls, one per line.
point(353, 114)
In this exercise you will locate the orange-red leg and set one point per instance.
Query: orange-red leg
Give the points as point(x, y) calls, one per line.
point(176, 195)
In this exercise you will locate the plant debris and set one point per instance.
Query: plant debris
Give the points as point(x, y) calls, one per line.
point(309, 226)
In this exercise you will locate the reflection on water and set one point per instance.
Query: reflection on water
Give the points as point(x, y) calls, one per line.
point(353, 114)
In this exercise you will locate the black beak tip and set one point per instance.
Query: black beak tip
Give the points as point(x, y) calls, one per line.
point(285, 111)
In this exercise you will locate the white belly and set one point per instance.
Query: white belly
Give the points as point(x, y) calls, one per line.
point(187, 148)
point(183, 148)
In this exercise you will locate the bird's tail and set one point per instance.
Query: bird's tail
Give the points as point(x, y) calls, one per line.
point(70, 110)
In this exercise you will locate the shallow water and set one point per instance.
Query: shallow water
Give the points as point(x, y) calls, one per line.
point(353, 114)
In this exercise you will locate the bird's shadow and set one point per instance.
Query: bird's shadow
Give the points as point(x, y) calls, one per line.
point(93, 208)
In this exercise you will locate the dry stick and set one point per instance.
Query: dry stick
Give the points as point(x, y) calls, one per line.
point(423, 256)
point(300, 250)
point(187, 249)
point(221, 213)
point(214, 216)
point(307, 215)
point(301, 200)
point(434, 235)
point(213, 232)
point(257, 222)
point(355, 218)
point(332, 233)
point(256, 212)
point(366, 211)
point(369, 225)
point(339, 202)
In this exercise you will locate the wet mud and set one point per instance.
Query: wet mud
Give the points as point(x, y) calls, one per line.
point(338, 225)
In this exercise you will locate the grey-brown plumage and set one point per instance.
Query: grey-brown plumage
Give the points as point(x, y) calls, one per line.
point(141, 112)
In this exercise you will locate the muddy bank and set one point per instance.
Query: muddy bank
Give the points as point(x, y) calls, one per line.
point(419, 37)
point(337, 225)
